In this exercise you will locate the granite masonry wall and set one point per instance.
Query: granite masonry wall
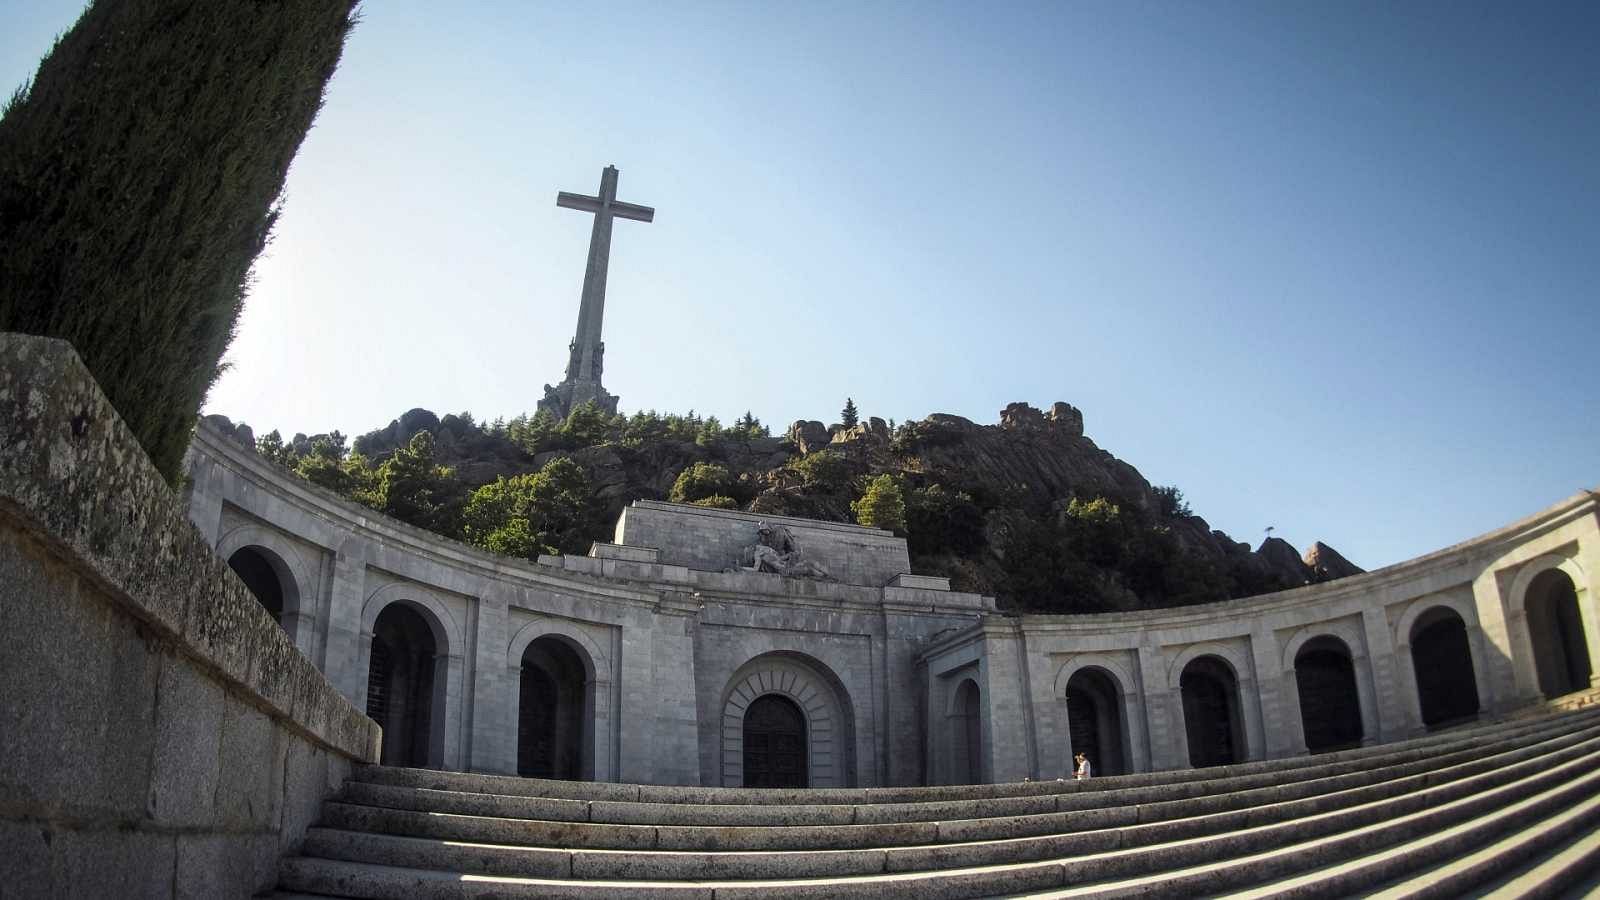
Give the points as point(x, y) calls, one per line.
point(159, 734)
point(1022, 666)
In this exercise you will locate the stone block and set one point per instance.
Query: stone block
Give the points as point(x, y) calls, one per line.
point(305, 785)
point(112, 863)
point(25, 867)
point(249, 781)
point(82, 737)
point(219, 865)
point(188, 745)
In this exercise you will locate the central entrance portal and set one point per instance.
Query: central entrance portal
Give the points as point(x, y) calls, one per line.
point(774, 744)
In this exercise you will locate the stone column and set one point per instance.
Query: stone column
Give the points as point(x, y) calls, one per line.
point(1278, 700)
point(494, 693)
point(1006, 715)
point(1492, 653)
point(348, 648)
point(1163, 707)
point(1389, 675)
point(202, 496)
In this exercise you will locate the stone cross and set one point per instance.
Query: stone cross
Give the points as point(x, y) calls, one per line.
point(587, 349)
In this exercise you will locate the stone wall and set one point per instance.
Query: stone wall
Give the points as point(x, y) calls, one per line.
point(1023, 665)
point(159, 734)
point(712, 540)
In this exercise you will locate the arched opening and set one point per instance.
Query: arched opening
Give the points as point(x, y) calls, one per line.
point(1447, 689)
point(966, 734)
point(1211, 712)
point(259, 572)
point(401, 678)
point(775, 744)
point(555, 714)
point(1330, 703)
point(1560, 647)
point(828, 735)
point(1094, 720)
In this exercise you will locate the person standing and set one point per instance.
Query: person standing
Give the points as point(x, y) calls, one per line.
point(1083, 769)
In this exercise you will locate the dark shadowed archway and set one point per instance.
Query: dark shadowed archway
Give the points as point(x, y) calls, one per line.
point(1094, 720)
point(265, 575)
point(1211, 714)
point(1560, 646)
point(401, 678)
point(555, 733)
point(965, 732)
point(775, 744)
point(1447, 688)
point(1330, 702)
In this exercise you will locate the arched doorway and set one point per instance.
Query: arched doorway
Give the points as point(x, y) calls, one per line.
point(554, 713)
point(1094, 720)
point(1330, 703)
point(775, 744)
point(259, 572)
point(401, 678)
point(1560, 647)
point(1447, 689)
point(966, 734)
point(1211, 712)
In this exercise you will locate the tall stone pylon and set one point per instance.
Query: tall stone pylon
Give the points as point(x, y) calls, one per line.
point(587, 351)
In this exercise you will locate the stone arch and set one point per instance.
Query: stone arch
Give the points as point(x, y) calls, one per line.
point(1135, 746)
point(598, 738)
point(820, 695)
point(1213, 715)
point(1327, 694)
point(295, 581)
point(444, 739)
point(1349, 634)
point(1097, 720)
point(1558, 642)
point(1442, 664)
point(964, 731)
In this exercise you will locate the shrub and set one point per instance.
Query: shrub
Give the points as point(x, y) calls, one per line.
point(700, 481)
point(882, 505)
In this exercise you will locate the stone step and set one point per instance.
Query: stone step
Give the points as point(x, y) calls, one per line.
point(1355, 808)
point(1351, 861)
point(505, 785)
point(1180, 865)
point(964, 820)
point(1312, 795)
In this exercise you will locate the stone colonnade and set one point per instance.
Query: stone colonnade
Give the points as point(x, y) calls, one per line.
point(1022, 666)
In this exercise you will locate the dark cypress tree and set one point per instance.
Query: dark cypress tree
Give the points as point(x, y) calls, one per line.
point(138, 179)
point(849, 417)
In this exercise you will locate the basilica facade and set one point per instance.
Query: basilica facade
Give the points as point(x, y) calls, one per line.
point(714, 647)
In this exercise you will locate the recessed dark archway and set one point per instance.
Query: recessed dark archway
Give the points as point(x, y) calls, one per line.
point(775, 744)
point(1094, 720)
point(555, 712)
point(1560, 646)
point(1330, 702)
point(1447, 688)
point(1211, 712)
point(965, 733)
point(401, 677)
point(259, 569)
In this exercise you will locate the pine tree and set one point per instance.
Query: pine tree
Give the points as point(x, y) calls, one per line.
point(849, 416)
point(138, 179)
point(882, 506)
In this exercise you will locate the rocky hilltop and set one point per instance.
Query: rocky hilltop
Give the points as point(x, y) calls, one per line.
point(1028, 509)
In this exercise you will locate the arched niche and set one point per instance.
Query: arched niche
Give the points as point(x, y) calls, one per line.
point(446, 669)
point(404, 690)
point(1328, 695)
point(274, 571)
point(1442, 665)
point(1213, 717)
point(1556, 632)
point(821, 697)
point(963, 728)
point(1097, 723)
point(596, 732)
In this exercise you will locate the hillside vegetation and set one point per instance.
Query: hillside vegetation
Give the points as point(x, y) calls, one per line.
point(1028, 510)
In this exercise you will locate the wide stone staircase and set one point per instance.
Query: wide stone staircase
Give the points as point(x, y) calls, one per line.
point(1509, 809)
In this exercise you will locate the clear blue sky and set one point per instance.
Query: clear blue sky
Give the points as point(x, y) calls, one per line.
point(1330, 266)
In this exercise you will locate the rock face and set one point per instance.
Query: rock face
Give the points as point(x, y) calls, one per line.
point(1028, 467)
point(1326, 563)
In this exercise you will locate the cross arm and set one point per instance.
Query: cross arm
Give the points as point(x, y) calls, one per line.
point(578, 201)
point(633, 211)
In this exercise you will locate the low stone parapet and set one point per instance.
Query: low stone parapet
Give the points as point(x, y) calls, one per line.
point(159, 734)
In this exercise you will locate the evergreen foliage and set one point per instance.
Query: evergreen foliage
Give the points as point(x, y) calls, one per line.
point(825, 470)
point(413, 489)
point(549, 511)
point(882, 505)
point(1170, 503)
point(848, 416)
point(138, 176)
point(943, 521)
point(700, 481)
